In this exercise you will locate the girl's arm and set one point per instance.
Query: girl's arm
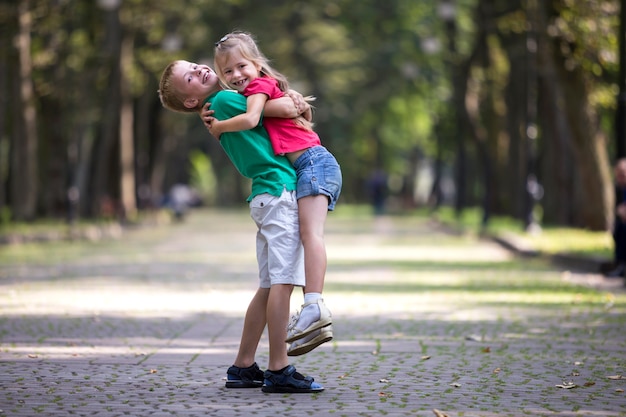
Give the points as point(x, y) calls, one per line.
point(288, 107)
point(245, 121)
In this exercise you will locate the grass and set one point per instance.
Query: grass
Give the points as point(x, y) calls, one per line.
point(548, 239)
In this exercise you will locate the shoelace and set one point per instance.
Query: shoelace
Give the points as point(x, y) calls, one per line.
point(293, 321)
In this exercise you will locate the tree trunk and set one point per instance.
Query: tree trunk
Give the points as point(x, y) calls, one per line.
point(126, 137)
point(104, 198)
point(556, 162)
point(6, 56)
point(24, 147)
point(514, 46)
point(592, 161)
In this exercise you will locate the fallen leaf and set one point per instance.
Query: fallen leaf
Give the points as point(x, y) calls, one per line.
point(575, 374)
point(566, 385)
point(384, 380)
point(425, 357)
point(616, 377)
point(384, 394)
point(486, 349)
point(619, 390)
point(579, 363)
point(455, 385)
point(32, 356)
point(590, 383)
point(153, 371)
point(439, 413)
point(497, 371)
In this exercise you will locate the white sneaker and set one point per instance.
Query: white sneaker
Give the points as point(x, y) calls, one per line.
point(295, 331)
point(310, 342)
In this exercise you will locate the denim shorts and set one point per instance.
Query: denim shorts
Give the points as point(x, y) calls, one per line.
point(279, 251)
point(318, 173)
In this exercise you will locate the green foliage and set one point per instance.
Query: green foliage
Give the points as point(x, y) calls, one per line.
point(380, 70)
point(202, 178)
point(5, 215)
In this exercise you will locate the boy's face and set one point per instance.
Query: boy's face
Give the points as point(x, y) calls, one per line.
point(194, 81)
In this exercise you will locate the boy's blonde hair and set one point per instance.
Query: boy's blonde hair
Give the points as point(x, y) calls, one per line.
point(170, 97)
point(245, 44)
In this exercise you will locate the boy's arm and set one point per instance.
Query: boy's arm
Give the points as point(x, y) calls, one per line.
point(245, 121)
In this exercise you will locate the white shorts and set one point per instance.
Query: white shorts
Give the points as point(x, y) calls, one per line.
point(279, 249)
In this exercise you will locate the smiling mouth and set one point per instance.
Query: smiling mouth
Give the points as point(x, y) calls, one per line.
point(206, 77)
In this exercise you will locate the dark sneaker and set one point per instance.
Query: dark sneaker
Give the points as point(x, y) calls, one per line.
point(250, 377)
point(290, 381)
point(618, 272)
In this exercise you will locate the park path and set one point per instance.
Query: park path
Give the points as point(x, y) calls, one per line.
point(424, 320)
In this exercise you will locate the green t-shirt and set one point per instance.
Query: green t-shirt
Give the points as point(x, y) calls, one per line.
point(250, 150)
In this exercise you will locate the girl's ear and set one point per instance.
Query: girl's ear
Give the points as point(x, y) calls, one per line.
point(191, 103)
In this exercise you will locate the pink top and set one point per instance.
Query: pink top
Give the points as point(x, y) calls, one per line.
point(286, 136)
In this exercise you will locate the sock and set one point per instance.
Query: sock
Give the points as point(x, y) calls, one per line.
point(310, 313)
point(312, 297)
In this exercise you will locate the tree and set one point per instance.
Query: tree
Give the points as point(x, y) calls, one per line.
point(24, 181)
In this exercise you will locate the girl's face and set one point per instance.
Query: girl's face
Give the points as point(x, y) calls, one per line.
point(237, 71)
point(194, 82)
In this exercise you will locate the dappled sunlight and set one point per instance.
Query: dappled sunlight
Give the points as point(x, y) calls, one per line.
point(360, 252)
point(39, 351)
point(129, 299)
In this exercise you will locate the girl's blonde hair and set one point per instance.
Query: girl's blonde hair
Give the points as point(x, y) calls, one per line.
point(245, 44)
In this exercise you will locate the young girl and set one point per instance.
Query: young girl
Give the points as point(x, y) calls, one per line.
point(241, 66)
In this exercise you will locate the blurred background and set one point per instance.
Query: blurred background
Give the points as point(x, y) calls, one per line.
point(514, 107)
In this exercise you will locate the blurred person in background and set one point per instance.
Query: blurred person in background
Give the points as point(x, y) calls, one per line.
point(619, 225)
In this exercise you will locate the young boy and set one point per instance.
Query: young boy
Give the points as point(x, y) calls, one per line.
point(184, 87)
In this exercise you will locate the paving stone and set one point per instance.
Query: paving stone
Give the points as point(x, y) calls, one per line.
point(148, 324)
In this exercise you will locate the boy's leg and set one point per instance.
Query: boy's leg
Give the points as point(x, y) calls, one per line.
point(281, 377)
point(277, 318)
point(253, 326)
point(279, 230)
point(245, 373)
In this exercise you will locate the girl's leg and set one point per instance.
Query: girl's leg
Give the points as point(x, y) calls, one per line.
point(314, 314)
point(313, 211)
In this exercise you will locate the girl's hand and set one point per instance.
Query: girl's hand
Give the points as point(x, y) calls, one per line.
point(214, 128)
point(299, 102)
